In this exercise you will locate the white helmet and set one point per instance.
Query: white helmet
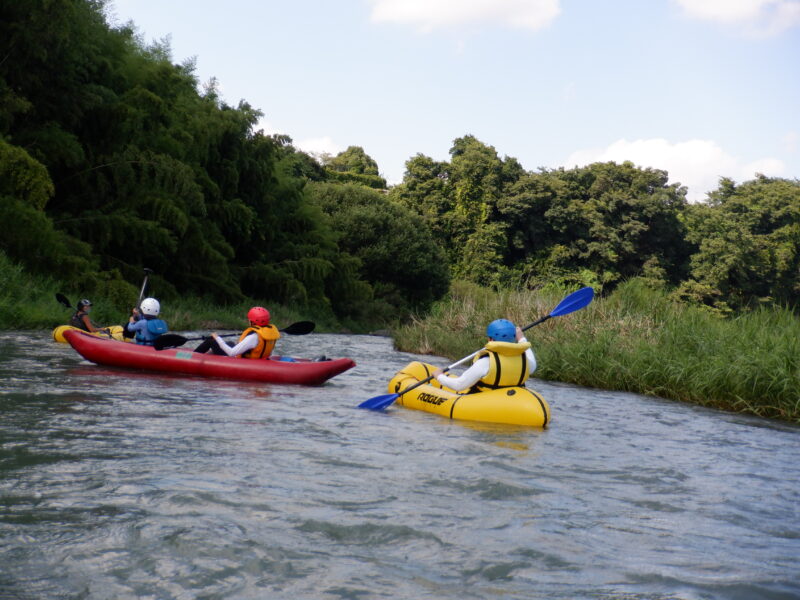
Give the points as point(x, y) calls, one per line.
point(150, 306)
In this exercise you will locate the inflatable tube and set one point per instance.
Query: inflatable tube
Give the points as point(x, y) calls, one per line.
point(104, 351)
point(116, 333)
point(512, 405)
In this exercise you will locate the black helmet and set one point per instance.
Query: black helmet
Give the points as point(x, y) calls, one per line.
point(84, 303)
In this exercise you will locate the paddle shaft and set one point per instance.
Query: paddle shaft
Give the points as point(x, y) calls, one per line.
point(172, 340)
point(144, 285)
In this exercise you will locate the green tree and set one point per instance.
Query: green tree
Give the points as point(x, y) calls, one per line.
point(392, 244)
point(748, 240)
point(353, 160)
point(354, 166)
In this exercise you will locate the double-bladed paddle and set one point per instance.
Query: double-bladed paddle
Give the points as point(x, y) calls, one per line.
point(575, 301)
point(172, 340)
point(62, 299)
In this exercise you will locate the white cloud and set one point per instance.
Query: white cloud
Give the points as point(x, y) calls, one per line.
point(267, 127)
point(696, 164)
point(318, 146)
point(428, 15)
point(759, 17)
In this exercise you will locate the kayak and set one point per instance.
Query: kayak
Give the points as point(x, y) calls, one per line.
point(115, 332)
point(512, 405)
point(104, 351)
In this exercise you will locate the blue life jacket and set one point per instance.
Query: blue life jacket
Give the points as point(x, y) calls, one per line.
point(154, 328)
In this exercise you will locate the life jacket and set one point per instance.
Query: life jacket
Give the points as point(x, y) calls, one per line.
point(77, 321)
point(508, 365)
point(155, 327)
point(267, 336)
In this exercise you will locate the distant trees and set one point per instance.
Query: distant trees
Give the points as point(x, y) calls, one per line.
point(355, 166)
point(111, 160)
point(607, 222)
point(396, 253)
point(748, 245)
point(501, 224)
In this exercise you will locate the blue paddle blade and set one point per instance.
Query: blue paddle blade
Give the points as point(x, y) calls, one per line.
point(575, 301)
point(379, 402)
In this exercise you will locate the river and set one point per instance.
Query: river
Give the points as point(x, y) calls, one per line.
point(128, 485)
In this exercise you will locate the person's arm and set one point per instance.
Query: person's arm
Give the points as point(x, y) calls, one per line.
point(248, 343)
point(87, 322)
point(134, 326)
point(528, 353)
point(467, 379)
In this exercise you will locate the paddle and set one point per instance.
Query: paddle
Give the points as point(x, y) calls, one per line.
point(575, 301)
point(62, 299)
point(171, 340)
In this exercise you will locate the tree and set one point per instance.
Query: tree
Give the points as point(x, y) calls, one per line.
point(354, 165)
point(748, 240)
point(392, 244)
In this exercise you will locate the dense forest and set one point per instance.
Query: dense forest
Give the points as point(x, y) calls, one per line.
point(113, 158)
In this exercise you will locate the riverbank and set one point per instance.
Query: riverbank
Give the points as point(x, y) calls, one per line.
point(29, 302)
point(634, 340)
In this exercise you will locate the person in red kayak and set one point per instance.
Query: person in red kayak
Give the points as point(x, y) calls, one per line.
point(145, 324)
point(506, 361)
point(257, 341)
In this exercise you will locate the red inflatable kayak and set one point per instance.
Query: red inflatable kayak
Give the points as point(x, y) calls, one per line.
point(104, 351)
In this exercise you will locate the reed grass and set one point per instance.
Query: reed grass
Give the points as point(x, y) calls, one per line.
point(637, 340)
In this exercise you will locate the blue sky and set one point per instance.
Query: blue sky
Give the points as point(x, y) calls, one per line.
point(700, 88)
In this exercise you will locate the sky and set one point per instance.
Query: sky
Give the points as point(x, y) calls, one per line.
point(702, 89)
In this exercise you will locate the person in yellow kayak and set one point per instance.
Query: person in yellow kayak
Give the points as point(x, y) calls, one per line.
point(506, 361)
point(257, 341)
point(145, 324)
point(81, 318)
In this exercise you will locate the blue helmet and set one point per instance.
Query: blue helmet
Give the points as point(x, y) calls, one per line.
point(502, 330)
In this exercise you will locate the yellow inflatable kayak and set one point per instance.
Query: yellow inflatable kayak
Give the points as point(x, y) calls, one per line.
point(512, 405)
point(115, 332)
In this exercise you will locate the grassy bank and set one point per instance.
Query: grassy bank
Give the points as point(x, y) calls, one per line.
point(28, 302)
point(635, 340)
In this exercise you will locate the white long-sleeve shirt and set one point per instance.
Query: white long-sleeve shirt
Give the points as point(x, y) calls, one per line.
point(248, 343)
point(480, 368)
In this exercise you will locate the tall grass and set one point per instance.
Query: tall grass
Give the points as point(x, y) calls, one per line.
point(635, 340)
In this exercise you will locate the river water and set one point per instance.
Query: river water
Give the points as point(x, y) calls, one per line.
point(127, 485)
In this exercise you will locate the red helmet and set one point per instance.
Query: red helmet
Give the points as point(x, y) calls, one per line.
point(258, 316)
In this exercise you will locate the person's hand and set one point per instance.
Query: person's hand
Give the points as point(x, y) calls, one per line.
point(520, 335)
point(437, 372)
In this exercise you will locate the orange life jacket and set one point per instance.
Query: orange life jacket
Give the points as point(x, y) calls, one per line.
point(267, 336)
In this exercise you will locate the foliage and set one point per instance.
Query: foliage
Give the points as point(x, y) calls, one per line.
point(27, 301)
point(112, 160)
point(459, 200)
point(392, 245)
point(748, 240)
point(503, 226)
point(354, 166)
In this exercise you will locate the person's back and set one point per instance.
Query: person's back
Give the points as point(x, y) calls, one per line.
point(146, 325)
point(257, 341)
point(505, 361)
